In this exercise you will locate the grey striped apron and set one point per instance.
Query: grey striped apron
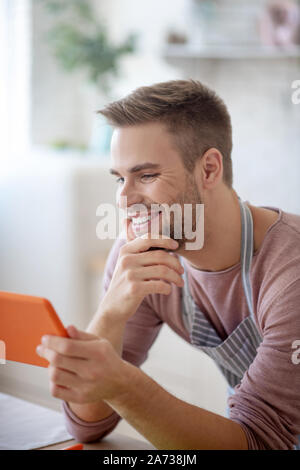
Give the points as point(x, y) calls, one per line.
point(234, 355)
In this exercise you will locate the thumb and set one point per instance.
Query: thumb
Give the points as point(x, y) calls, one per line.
point(126, 226)
point(74, 333)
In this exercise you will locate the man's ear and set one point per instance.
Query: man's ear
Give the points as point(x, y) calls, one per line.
point(209, 168)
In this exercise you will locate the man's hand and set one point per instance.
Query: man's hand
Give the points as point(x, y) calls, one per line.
point(140, 272)
point(83, 368)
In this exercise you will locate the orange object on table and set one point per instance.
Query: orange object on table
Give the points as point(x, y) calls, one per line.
point(24, 319)
point(74, 447)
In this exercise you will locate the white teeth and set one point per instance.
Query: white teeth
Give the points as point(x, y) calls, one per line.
point(140, 220)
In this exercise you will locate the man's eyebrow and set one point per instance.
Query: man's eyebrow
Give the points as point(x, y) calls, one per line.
point(136, 168)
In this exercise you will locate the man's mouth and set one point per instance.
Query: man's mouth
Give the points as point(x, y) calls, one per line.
point(142, 223)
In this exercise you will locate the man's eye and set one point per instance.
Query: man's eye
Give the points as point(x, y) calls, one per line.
point(148, 175)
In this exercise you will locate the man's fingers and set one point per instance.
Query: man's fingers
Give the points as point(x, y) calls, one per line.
point(61, 361)
point(66, 346)
point(159, 272)
point(159, 257)
point(74, 333)
point(143, 243)
point(65, 394)
point(129, 234)
point(63, 377)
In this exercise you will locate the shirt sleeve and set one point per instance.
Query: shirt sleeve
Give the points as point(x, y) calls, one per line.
point(140, 332)
point(267, 401)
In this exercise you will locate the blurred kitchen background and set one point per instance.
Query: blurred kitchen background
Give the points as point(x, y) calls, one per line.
point(62, 60)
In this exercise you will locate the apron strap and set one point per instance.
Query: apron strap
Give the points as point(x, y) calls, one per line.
point(246, 253)
point(245, 256)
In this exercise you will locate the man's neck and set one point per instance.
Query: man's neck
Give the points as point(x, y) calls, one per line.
point(222, 234)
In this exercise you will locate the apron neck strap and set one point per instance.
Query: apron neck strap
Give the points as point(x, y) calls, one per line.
point(245, 255)
point(246, 252)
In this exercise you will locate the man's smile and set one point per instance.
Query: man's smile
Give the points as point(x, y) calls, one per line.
point(143, 223)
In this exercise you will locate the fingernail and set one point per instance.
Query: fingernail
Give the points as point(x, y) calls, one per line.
point(44, 339)
point(39, 350)
point(174, 244)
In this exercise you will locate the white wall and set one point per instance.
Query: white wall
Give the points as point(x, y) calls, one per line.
point(63, 104)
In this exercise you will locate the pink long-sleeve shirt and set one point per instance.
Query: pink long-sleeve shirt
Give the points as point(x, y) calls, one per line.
point(267, 401)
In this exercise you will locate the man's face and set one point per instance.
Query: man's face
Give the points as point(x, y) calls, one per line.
point(150, 172)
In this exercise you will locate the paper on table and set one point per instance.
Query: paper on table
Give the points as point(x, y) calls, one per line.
point(24, 425)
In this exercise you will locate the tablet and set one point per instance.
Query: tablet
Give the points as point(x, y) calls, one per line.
point(24, 319)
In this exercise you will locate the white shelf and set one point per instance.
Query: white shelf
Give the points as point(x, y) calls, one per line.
point(193, 51)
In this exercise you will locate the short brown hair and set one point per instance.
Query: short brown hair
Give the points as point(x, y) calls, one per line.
point(193, 114)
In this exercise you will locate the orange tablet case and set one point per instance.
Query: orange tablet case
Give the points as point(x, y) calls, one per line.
point(24, 319)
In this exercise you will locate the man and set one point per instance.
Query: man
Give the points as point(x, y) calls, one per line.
point(236, 298)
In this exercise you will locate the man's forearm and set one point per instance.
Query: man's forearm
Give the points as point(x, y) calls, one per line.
point(170, 423)
point(103, 326)
point(106, 326)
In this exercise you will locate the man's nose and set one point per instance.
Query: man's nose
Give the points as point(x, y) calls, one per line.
point(127, 197)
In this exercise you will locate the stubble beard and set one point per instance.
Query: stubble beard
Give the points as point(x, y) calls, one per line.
point(189, 196)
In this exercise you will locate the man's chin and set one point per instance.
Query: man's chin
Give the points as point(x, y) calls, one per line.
point(163, 232)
